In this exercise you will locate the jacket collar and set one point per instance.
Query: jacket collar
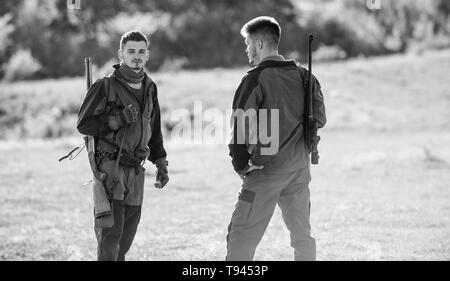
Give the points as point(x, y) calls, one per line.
point(273, 58)
point(273, 61)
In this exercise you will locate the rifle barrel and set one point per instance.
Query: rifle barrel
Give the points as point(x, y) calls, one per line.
point(88, 71)
point(310, 95)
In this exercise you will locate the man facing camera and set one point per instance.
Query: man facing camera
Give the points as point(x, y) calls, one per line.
point(122, 112)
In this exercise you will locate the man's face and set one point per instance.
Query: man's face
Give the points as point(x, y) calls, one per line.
point(134, 54)
point(252, 50)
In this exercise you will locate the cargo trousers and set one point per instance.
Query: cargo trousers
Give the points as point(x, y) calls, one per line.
point(114, 242)
point(257, 200)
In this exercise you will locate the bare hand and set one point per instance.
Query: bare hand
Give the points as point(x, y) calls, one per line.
point(248, 169)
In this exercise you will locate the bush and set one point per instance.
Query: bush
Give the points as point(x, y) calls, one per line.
point(354, 32)
point(205, 34)
point(397, 27)
point(21, 66)
point(174, 64)
point(107, 68)
point(329, 53)
point(437, 42)
point(6, 28)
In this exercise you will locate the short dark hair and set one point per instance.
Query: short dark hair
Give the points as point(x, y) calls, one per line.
point(133, 35)
point(268, 27)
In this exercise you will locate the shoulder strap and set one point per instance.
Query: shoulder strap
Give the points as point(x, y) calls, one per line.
point(111, 95)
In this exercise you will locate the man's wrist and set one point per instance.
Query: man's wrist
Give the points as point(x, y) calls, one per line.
point(242, 171)
point(161, 163)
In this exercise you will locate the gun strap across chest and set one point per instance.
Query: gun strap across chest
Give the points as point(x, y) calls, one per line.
point(116, 165)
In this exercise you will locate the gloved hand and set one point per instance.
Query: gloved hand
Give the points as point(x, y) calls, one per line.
point(129, 115)
point(248, 169)
point(162, 175)
point(120, 118)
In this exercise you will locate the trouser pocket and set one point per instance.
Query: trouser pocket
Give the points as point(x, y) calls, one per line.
point(243, 208)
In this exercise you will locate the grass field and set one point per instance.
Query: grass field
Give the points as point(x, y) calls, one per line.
point(381, 191)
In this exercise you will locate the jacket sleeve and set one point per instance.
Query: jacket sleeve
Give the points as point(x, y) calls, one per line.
point(244, 122)
point(92, 118)
point(155, 143)
point(318, 105)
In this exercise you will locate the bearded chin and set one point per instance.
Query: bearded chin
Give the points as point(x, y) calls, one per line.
point(252, 61)
point(253, 58)
point(136, 66)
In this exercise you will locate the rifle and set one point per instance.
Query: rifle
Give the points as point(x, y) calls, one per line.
point(102, 204)
point(90, 140)
point(310, 131)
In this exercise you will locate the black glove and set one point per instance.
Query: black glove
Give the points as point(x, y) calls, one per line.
point(162, 175)
point(129, 115)
point(119, 118)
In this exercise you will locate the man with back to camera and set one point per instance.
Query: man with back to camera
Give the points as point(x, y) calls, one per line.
point(271, 176)
point(122, 112)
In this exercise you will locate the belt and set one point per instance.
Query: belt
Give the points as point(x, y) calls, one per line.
point(111, 152)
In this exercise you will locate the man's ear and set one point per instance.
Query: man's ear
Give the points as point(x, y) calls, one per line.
point(259, 44)
point(119, 54)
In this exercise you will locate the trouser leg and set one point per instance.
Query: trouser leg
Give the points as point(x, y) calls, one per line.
point(295, 207)
point(249, 221)
point(108, 238)
point(132, 217)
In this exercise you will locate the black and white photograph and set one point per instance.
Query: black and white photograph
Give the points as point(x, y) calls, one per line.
point(224, 131)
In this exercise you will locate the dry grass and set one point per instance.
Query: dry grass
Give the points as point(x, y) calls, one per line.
point(381, 191)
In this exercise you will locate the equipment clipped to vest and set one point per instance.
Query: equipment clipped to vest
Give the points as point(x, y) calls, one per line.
point(122, 117)
point(126, 159)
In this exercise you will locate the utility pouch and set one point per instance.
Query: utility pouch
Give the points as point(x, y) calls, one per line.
point(128, 160)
